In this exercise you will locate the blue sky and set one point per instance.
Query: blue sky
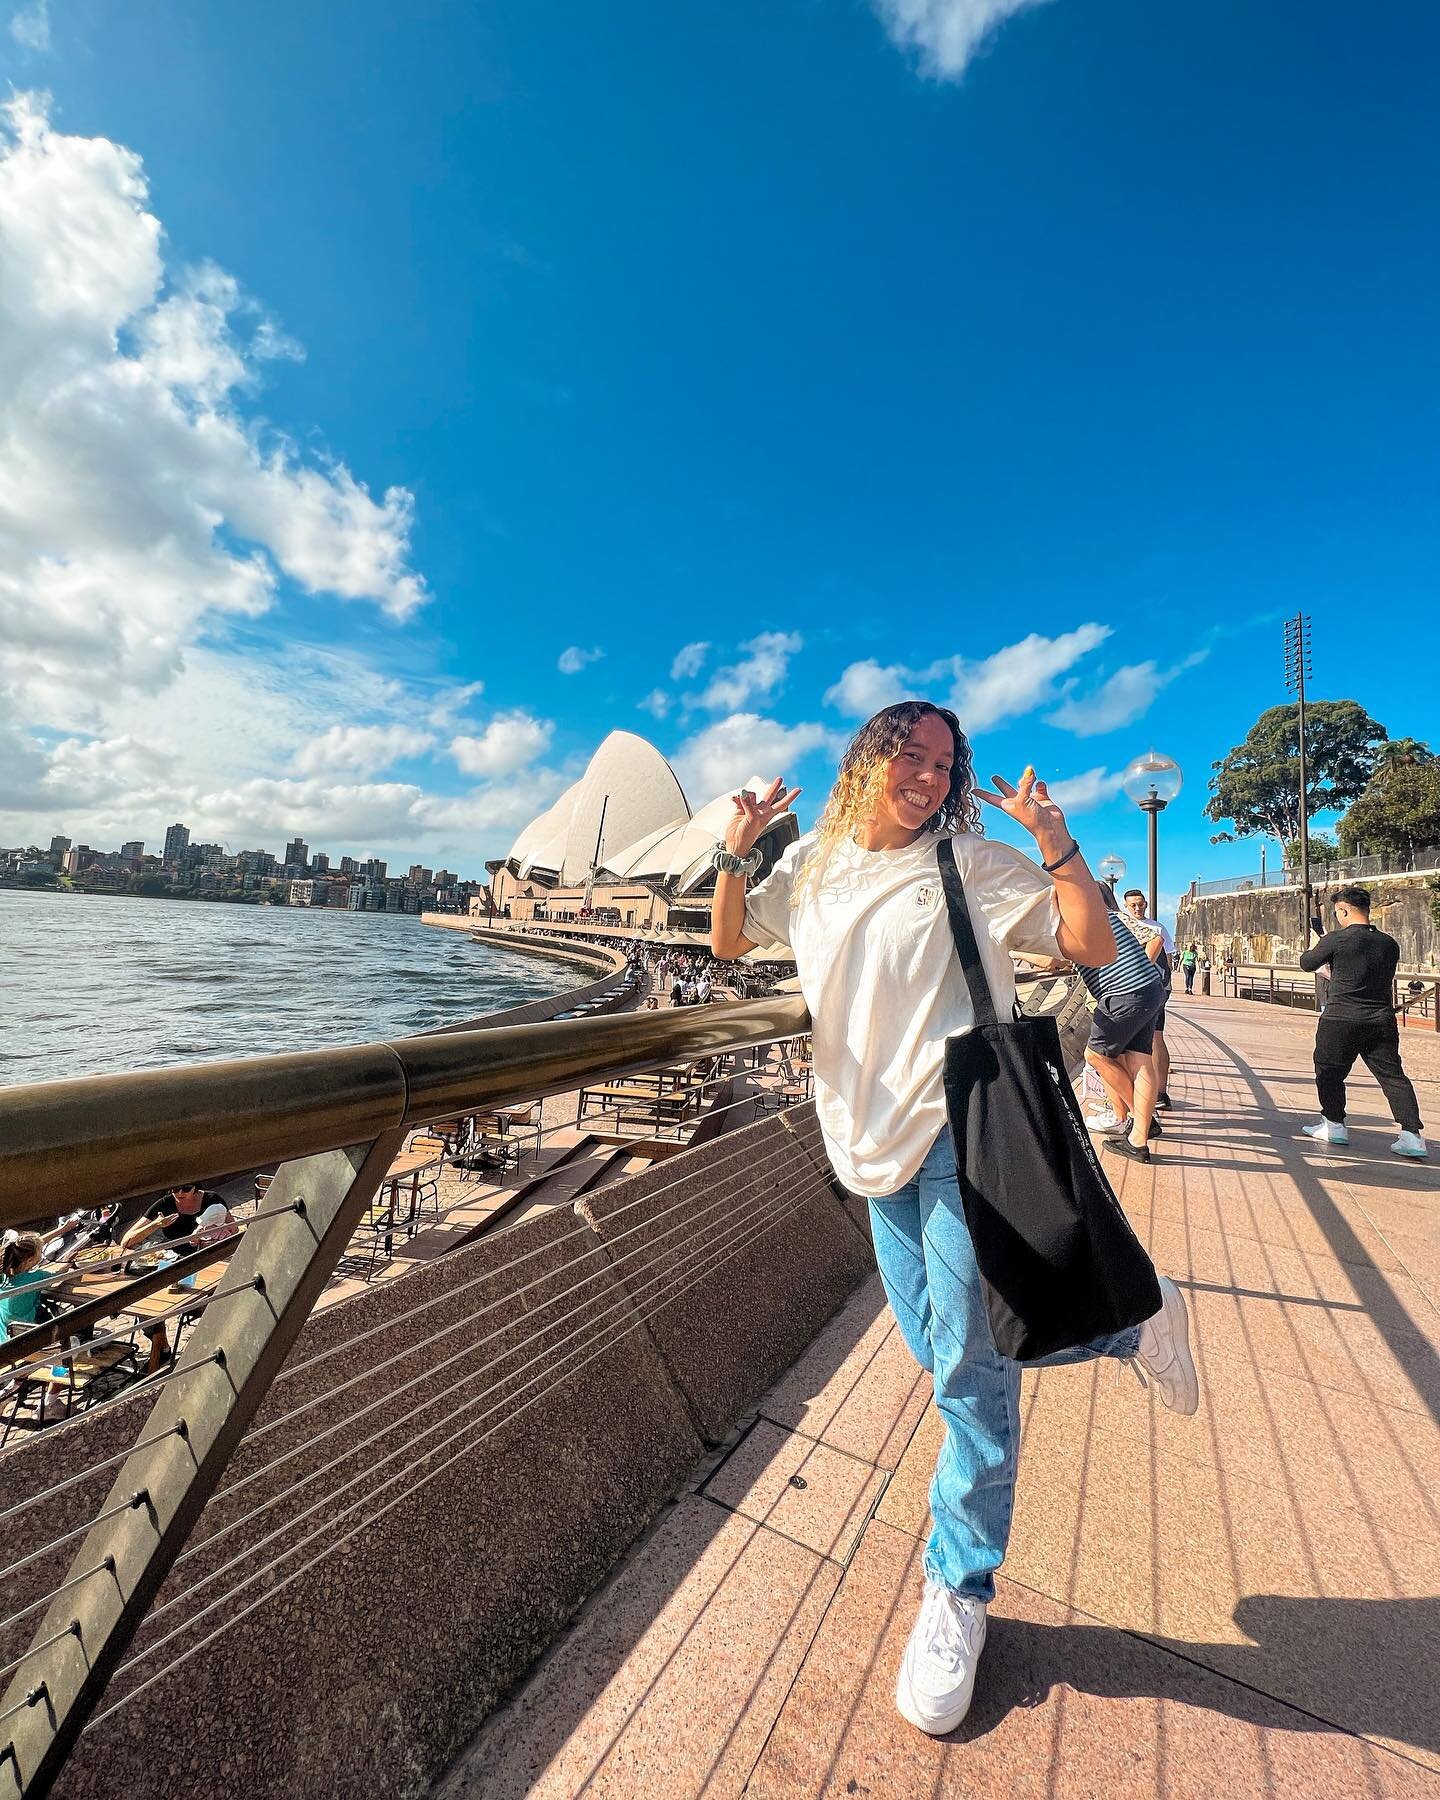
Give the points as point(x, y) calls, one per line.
point(415, 347)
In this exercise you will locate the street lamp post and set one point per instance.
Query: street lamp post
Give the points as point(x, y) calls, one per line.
point(1297, 673)
point(1112, 869)
point(1152, 781)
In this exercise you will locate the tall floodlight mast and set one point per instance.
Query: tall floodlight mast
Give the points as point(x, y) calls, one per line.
point(1297, 673)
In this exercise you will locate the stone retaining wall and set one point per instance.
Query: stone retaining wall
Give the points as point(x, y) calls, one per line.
point(1263, 925)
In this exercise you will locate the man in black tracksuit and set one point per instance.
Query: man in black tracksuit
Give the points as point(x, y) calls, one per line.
point(1359, 1020)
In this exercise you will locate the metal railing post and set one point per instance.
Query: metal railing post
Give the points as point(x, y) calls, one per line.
point(288, 1253)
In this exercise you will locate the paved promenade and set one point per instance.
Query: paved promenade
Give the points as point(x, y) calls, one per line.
point(1239, 1603)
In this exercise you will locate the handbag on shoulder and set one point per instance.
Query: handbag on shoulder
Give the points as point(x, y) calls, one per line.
point(1059, 1263)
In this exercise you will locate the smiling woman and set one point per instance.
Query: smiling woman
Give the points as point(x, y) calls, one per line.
point(864, 902)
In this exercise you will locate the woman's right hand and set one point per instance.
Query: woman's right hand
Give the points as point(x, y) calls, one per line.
point(754, 813)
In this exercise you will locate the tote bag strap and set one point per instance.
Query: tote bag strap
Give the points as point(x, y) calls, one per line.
point(963, 932)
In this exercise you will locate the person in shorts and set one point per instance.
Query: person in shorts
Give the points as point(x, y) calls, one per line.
point(1129, 995)
point(1160, 948)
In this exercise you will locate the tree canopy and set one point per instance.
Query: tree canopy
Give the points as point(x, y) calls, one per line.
point(1257, 785)
point(1400, 808)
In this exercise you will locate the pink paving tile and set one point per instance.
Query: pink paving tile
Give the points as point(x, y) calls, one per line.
point(672, 1678)
point(1307, 1606)
point(1331, 1346)
point(799, 1487)
point(1323, 1447)
point(857, 1387)
point(1065, 1706)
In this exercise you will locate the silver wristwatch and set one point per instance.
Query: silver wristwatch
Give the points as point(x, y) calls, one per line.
point(728, 863)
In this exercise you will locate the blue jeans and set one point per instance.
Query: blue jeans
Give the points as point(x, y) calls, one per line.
point(927, 1264)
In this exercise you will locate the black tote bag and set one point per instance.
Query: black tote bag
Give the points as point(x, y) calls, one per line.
point(1059, 1264)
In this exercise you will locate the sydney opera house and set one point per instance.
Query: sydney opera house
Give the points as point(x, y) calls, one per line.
point(623, 847)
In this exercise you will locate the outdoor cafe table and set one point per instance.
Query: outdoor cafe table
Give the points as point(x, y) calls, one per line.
point(409, 1166)
point(146, 1309)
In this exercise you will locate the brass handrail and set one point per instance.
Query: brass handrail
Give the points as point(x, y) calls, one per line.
point(97, 1138)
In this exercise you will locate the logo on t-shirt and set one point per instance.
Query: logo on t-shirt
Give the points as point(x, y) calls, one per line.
point(926, 896)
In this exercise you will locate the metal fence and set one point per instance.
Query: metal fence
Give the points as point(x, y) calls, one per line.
point(1325, 874)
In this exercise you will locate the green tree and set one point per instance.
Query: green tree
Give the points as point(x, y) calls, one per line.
point(1323, 851)
point(1400, 808)
point(1257, 786)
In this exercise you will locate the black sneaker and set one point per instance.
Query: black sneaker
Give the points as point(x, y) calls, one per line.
point(1156, 1129)
point(1163, 1101)
point(1122, 1146)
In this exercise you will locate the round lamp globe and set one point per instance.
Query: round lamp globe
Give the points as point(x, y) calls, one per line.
point(1152, 779)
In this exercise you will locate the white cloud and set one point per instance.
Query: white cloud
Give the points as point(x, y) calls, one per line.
point(759, 675)
point(574, 659)
point(688, 662)
point(508, 742)
point(30, 26)
point(1011, 682)
point(1017, 679)
point(1081, 793)
point(1120, 699)
point(656, 702)
point(946, 33)
point(138, 507)
point(450, 702)
point(361, 749)
point(717, 759)
point(866, 688)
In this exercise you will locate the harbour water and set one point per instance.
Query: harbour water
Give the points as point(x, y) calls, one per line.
point(94, 984)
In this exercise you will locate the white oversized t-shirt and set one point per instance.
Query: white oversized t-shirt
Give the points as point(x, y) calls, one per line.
point(879, 972)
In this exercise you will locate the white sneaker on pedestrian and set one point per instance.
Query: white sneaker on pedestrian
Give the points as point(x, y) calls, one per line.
point(937, 1671)
point(1327, 1132)
point(1104, 1120)
point(1411, 1143)
point(1164, 1351)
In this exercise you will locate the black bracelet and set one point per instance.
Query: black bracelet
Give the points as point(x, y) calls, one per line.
point(1074, 850)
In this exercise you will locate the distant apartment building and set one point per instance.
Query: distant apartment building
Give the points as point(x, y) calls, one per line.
point(58, 847)
point(297, 853)
point(78, 859)
point(133, 851)
point(320, 863)
point(349, 866)
point(177, 842)
point(373, 869)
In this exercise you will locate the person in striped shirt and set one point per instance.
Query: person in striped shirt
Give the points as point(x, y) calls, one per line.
point(1129, 997)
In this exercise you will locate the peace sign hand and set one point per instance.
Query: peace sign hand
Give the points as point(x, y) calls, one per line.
point(754, 813)
point(1030, 805)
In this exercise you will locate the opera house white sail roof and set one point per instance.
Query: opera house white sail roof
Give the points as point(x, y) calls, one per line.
point(639, 793)
point(680, 853)
point(647, 819)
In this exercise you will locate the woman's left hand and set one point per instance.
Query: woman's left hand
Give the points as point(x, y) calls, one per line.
point(1030, 805)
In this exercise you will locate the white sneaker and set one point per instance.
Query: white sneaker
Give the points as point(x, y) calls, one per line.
point(937, 1671)
point(1327, 1132)
point(1411, 1143)
point(1104, 1120)
point(1164, 1352)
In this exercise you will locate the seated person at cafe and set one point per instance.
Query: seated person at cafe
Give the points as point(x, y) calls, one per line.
point(21, 1271)
point(175, 1215)
point(213, 1226)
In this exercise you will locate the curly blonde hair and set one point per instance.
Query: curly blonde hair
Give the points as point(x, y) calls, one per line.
point(861, 783)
